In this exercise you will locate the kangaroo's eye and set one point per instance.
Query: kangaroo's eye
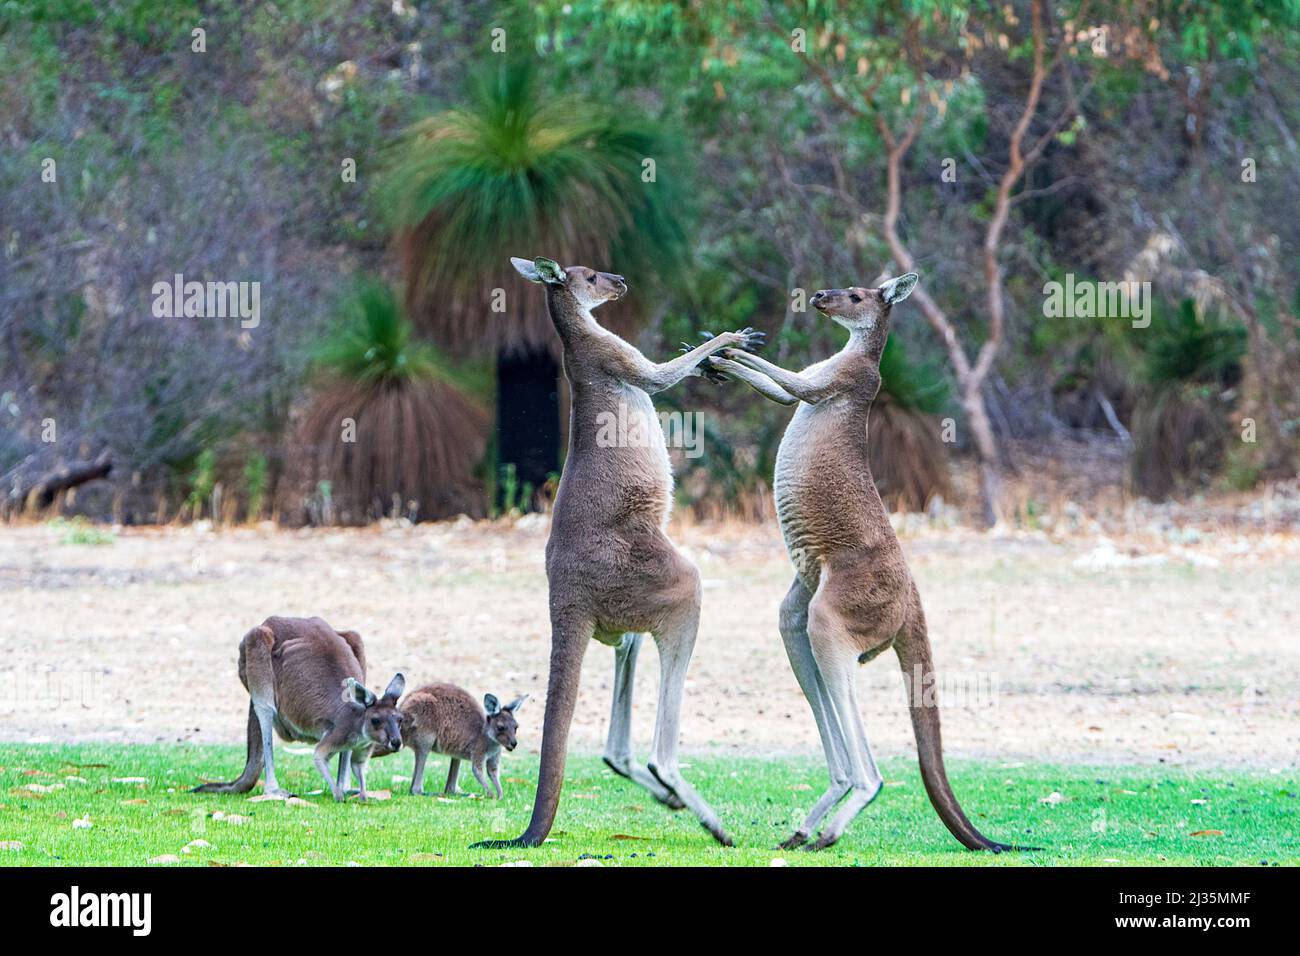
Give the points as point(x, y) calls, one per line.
point(855, 298)
point(375, 721)
point(592, 278)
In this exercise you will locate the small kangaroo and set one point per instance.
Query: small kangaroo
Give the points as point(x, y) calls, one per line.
point(853, 596)
point(305, 680)
point(612, 572)
point(446, 720)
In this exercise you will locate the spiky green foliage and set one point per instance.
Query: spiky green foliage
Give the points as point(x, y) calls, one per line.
point(520, 171)
point(374, 343)
point(918, 385)
point(1188, 347)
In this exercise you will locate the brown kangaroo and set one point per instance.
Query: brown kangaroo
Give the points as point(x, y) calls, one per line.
point(611, 570)
point(853, 596)
point(444, 719)
point(305, 680)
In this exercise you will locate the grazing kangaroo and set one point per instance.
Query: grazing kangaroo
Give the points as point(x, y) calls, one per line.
point(444, 719)
point(612, 572)
point(853, 596)
point(305, 680)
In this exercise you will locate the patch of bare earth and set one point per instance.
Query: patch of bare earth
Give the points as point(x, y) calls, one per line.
point(1157, 643)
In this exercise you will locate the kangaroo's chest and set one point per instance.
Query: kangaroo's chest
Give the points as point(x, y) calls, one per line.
point(822, 484)
point(618, 473)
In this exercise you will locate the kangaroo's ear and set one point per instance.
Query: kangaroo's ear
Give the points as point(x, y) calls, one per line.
point(395, 687)
point(491, 704)
point(515, 704)
point(526, 269)
point(550, 271)
point(899, 288)
point(354, 692)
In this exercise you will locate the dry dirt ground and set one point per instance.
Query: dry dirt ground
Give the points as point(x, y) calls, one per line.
point(1162, 643)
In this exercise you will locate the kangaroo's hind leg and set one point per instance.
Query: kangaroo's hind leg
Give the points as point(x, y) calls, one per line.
point(618, 745)
point(837, 647)
point(794, 632)
point(258, 675)
point(676, 640)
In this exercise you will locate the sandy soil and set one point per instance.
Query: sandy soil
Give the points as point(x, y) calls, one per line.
point(1165, 644)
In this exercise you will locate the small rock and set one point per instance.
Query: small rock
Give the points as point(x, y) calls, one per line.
point(518, 863)
point(587, 862)
point(165, 858)
point(11, 844)
point(82, 823)
point(777, 861)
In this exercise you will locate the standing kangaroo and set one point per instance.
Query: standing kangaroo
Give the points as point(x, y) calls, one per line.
point(445, 719)
point(306, 681)
point(853, 596)
point(611, 571)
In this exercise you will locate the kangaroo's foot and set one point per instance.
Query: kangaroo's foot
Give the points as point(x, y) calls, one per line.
point(793, 841)
point(623, 767)
point(278, 792)
point(673, 780)
point(857, 800)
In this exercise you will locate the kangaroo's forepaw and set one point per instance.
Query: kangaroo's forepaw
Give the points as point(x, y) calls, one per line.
point(751, 340)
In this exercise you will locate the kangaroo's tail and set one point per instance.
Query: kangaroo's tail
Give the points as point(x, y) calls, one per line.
point(913, 648)
point(252, 766)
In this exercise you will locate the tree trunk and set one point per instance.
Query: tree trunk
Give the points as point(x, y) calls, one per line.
point(528, 420)
point(986, 447)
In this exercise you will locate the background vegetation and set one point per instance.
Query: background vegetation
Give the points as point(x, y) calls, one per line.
point(1104, 140)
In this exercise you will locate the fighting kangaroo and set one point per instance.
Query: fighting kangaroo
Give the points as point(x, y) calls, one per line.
point(306, 681)
point(612, 573)
point(853, 596)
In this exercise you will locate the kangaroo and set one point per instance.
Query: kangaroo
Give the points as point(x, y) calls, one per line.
point(612, 572)
point(444, 719)
point(305, 680)
point(852, 596)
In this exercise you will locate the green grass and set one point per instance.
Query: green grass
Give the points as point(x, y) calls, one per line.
point(1106, 814)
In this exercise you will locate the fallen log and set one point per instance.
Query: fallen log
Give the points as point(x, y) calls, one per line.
point(42, 492)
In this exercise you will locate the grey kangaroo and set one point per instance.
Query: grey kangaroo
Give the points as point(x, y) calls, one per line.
point(444, 719)
point(306, 680)
point(611, 570)
point(852, 596)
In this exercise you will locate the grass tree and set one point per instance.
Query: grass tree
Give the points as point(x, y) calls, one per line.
point(905, 448)
point(389, 425)
point(518, 170)
point(1182, 431)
